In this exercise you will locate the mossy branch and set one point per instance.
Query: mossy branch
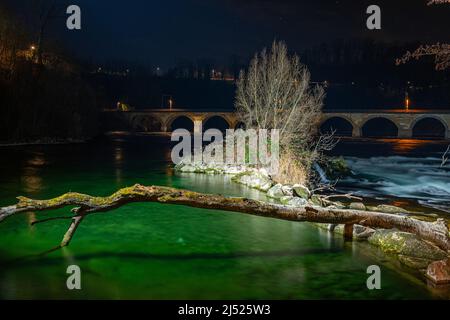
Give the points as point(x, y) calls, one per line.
point(436, 232)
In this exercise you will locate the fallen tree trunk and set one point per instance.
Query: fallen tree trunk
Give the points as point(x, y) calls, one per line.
point(436, 232)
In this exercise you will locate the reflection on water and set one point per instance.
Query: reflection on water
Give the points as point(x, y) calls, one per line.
point(404, 146)
point(219, 184)
point(118, 163)
point(156, 251)
point(31, 176)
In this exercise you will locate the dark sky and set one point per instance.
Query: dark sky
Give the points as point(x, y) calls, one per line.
point(163, 32)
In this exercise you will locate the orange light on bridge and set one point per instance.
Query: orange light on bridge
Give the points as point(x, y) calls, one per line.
point(407, 101)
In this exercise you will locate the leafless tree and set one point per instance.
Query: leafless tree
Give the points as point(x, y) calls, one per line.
point(276, 93)
point(440, 51)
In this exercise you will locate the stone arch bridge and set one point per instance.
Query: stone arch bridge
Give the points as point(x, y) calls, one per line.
point(355, 123)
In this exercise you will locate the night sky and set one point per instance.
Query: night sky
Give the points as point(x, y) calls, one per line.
point(164, 32)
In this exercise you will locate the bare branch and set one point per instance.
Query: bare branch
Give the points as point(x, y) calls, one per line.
point(436, 232)
point(433, 2)
point(440, 52)
point(346, 196)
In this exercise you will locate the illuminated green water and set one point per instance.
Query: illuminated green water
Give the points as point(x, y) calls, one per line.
point(154, 251)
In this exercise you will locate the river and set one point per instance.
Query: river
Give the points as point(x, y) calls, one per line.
point(156, 251)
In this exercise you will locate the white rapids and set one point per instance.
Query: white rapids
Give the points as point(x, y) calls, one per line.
point(420, 179)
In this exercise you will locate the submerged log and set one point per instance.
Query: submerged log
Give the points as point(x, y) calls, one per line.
point(436, 232)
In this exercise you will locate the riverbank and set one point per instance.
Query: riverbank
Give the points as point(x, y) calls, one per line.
point(412, 251)
point(42, 141)
point(153, 251)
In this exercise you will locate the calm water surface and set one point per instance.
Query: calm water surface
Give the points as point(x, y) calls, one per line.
point(154, 251)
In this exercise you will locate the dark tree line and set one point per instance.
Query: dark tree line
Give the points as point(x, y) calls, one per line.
point(42, 93)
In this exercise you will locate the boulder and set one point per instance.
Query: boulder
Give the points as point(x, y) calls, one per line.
point(234, 169)
point(407, 244)
point(439, 271)
point(413, 262)
point(337, 205)
point(361, 232)
point(276, 191)
point(301, 191)
point(188, 168)
point(357, 206)
point(336, 168)
point(388, 209)
point(285, 199)
point(316, 200)
point(287, 190)
point(293, 201)
point(254, 179)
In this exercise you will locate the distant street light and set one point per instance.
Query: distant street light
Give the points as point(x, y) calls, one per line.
point(167, 100)
point(407, 101)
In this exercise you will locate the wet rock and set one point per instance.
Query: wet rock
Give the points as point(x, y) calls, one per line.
point(336, 168)
point(186, 168)
point(439, 272)
point(407, 244)
point(254, 179)
point(285, 199)
point(287, 190)
point(234, 169)
point(361, 232)
point(212, 168)
point(337, 205)
point(357, 206)
point(276, 191)
point(389, 209)
point(293, 201)
point(301, 191)
point(413, 262)
point(316, 200)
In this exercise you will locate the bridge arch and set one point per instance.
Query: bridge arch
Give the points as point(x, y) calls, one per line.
point(340, 125)
point(216, 122)
point(429, 126)
point(379, 127)
point(180, 122)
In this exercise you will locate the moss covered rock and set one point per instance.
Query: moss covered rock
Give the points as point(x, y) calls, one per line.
point(406, 244)
point(276, 192)
point(336, 168)
point(254, 179)
point(301, 191)
point(388, 209)
point(316, 200)
point(413, 262)
point(293, 201)
point(357, 206)
point(439, 272)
